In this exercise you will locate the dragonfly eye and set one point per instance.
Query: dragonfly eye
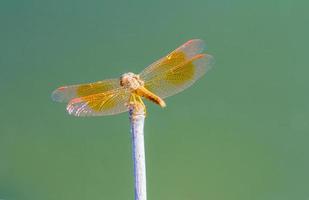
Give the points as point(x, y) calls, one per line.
point(120, 81)
point(130, 80)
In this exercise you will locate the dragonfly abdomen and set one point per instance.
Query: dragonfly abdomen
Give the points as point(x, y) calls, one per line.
point(142, 91)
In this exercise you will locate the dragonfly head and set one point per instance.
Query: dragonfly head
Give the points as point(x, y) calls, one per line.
point(131, 81)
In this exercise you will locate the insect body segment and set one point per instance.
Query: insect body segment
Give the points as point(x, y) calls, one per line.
point(143, 92)
point(133, 82)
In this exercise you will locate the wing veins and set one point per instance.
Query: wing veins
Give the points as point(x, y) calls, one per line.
point(158, 76)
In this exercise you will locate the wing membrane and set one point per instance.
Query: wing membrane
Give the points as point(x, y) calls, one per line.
point(181, 77)
point(176, 57)
point(107, 103)
point(178, 70)
point(66, 93)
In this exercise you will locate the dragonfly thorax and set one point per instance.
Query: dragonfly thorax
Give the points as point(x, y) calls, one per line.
point(131, 81)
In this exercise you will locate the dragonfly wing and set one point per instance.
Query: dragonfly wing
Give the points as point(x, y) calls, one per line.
point(66, 93)
point(107, 103)
point(184, 52)
point(178, 70)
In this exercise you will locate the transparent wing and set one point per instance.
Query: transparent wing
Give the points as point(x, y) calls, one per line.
point(176, 57)
point(107, 103)
point(178, 70)
point(66, 93)
point(180, 77)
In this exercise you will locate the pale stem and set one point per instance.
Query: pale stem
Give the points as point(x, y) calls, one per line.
point(137, 117)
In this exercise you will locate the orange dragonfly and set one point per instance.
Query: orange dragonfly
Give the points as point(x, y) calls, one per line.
point(165, 77)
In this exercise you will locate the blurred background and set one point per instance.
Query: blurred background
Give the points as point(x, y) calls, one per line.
point(241, 132)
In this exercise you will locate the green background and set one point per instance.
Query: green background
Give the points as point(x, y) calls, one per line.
point(239, 133)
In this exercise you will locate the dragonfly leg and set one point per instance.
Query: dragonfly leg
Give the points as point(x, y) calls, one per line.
point(136, 101)
point(132, 99)
point(139, 100)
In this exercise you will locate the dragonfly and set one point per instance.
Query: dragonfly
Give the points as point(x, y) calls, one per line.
point(164, 78)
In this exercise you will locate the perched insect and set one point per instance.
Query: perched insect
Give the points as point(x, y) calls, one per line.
point(165, 77)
